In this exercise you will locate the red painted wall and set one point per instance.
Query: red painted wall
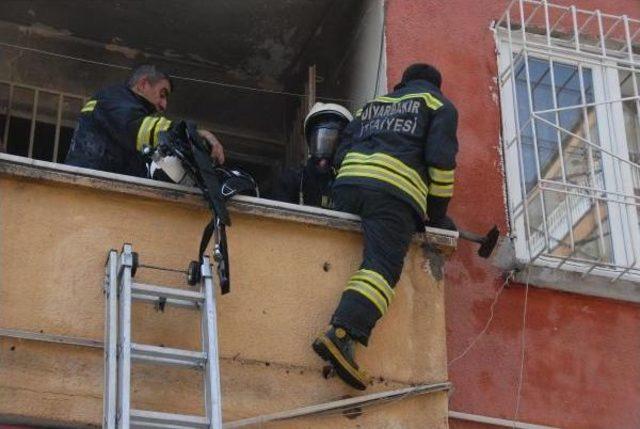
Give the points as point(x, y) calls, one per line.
point(582, 364)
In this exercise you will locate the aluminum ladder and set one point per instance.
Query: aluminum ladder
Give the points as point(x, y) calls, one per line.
point(120, 351)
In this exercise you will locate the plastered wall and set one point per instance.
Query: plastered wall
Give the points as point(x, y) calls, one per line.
point(576, 363)
point(54, 239)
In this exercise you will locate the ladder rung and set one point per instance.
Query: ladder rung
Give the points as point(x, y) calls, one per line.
point(174, 296)
point(167, 356)
point(170, 302)
point(153, 419)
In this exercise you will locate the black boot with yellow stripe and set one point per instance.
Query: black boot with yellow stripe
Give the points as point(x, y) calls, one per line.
point(337, 347)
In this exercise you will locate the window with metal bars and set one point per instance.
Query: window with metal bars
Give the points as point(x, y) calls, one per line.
point(569, 84)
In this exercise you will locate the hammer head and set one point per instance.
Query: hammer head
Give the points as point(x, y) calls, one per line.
point(489, 243)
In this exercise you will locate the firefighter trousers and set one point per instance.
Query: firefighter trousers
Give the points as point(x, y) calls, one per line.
point(388, 225)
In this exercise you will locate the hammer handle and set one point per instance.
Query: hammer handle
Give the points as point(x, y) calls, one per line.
point(471, 236)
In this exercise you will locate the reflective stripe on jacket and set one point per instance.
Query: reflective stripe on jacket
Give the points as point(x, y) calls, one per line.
point(113, 128)
point(404, 143)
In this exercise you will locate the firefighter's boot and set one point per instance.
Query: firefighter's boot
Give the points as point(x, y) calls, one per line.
point(337, 347)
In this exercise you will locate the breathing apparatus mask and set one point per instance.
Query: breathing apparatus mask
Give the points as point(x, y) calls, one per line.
point(323, 137)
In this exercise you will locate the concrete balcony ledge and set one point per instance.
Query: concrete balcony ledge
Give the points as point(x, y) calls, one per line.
point(289, 265)
point(148, 188)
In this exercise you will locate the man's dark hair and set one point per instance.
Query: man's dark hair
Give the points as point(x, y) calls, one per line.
point(421, 71)
point(151, 72)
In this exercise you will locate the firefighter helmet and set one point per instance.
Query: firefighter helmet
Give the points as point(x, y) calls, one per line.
point(322, 128)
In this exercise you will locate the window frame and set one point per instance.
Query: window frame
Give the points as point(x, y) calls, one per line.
point(625, 240)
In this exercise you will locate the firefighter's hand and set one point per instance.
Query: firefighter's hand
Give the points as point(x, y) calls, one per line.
point(217, 151)
point(443, 223)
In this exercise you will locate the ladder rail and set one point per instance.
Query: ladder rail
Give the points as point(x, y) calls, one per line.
point(213, 403)
point(124, 336)
point(110, 340)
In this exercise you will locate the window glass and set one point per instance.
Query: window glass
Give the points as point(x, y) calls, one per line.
point(632, 124)
point(560, 146)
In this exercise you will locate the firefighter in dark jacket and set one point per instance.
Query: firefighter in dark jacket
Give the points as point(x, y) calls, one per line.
point(121, 123)
point(310, 184)
point(395, 170)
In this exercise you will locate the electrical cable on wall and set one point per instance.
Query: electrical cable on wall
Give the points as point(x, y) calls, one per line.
point(177, 77)
point(523, 346)
point(509, 276)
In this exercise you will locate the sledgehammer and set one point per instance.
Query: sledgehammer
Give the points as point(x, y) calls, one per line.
point(487, 242)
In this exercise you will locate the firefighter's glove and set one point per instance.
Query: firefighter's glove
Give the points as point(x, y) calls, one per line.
point(444, 222)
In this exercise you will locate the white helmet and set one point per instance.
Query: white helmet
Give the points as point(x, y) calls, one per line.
point(322, 128)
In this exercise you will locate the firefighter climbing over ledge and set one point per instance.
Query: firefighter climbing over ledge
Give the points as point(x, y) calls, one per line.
point(395, 166)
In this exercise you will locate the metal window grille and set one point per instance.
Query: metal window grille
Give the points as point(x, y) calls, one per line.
point(41, 107)
point(569, 84)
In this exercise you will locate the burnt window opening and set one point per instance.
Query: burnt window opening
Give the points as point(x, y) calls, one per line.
point(36, 123)
point(17, 142)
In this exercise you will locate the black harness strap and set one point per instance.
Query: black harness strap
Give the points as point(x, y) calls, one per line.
point(194, 153)
point(211, 185)
point(207, 233)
